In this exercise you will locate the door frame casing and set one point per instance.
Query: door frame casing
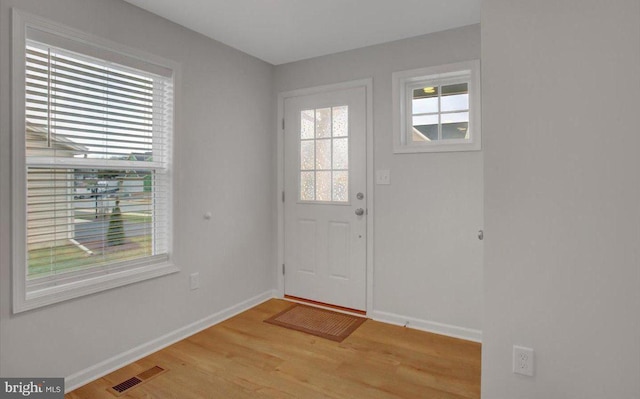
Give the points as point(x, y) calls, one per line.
point(367, 84)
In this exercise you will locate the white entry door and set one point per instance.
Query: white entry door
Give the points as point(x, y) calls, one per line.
point(325, 223)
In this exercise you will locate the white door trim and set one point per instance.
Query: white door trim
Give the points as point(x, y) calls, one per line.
point(367, 84)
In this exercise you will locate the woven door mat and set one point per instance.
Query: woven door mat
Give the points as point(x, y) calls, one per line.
point(319, 322)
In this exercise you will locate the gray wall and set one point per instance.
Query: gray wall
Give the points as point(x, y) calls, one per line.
point(560, 127)
point(224, 162)
point(428, 261)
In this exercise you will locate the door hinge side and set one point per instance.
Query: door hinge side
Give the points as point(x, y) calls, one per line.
point(283, 269)
point(283, 196)
point(282, 123)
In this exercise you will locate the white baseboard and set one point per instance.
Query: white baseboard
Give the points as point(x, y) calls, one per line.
point(103, 368)
point(468, 334)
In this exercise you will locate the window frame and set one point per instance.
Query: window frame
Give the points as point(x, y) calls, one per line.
point(74, 284)
point(404, 82)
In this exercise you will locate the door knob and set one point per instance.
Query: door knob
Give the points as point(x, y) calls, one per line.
point(359, 211)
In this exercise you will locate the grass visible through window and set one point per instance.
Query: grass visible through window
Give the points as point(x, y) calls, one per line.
point(68, 255)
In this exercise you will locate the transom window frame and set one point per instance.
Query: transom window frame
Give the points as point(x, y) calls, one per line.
point(26, 26)
point(403, 84)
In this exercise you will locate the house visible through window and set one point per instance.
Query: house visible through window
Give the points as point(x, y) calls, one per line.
point(97, 142)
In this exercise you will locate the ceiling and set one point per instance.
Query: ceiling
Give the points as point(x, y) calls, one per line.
point(281, 31)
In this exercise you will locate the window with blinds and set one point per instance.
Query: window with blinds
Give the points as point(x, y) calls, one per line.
point(97, 155)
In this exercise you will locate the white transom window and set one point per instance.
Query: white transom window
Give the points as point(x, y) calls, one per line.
point(437, 109)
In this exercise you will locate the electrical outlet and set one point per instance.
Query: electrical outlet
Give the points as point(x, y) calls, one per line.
point(523, 360)
point(194, 281)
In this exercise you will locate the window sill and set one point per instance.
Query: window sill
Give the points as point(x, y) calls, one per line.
point(50, 295)
point(417, 148)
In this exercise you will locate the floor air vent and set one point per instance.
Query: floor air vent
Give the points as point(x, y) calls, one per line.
point(125, 386)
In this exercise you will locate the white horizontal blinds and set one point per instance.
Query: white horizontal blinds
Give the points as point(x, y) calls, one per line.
point(106, 110)
point(97, 153)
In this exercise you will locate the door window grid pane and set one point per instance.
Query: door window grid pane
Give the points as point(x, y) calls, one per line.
point(324, 155)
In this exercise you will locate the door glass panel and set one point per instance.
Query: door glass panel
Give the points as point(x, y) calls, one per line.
point(341, 153)
point(307, 186)
point(307, 155)
point(324, 154)
point(340, 185)
point(323, 122)
point(341, 121)
point(307, 124)
point(323, 186)
point(323, 158)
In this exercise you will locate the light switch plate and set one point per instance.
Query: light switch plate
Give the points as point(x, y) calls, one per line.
point(383, 176)
point(194, 281)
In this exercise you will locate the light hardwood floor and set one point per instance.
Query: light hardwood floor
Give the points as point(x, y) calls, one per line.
point(243, 357)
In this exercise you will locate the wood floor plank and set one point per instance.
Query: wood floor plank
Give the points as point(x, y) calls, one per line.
point(243, 357)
